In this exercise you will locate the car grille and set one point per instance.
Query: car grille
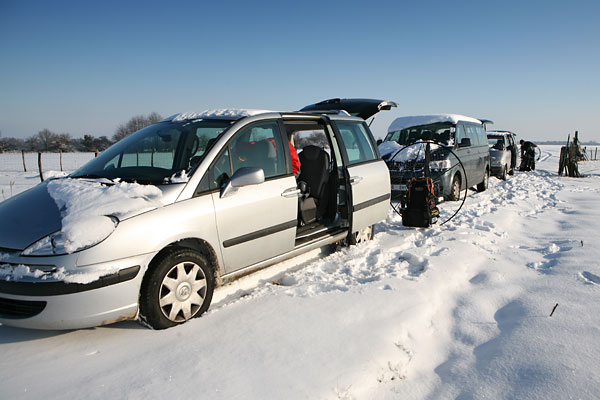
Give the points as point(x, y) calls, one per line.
point(17, 309)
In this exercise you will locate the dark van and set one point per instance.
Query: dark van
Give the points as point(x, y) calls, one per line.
point(456, 136)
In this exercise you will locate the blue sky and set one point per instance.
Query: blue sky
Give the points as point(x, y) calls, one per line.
point(82, 67)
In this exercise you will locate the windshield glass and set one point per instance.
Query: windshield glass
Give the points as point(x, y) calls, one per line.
point(155, 153)
point(442, 133)
point(496, 141)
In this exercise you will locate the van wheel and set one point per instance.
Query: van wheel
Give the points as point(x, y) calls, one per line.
point(178, 287)
point(454, 189)
point(504, 173)
point(364, 235)
point(484, 185)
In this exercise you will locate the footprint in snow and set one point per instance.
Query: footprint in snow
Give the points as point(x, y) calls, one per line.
point(543, 267)
point(479, 278)
point(416, 265)
point(396, 368)
point(439, 252)
point(590, 278)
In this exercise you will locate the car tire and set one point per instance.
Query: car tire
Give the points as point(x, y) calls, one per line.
point(504, 173)
point(481, 187)
point(364, 235)
point(454, 189)
point(177, 287)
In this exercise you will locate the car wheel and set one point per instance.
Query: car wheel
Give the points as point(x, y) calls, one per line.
point(483, 185)
point(364, 235)
point(454, 189)
point(504, 173)
point(177, 287)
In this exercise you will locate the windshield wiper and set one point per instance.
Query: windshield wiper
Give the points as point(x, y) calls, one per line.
point(91, 176)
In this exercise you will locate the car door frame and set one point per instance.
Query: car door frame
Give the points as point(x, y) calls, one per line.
point(377, 171)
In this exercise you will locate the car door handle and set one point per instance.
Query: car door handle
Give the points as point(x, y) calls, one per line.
point(291, 192)
point(355, 179)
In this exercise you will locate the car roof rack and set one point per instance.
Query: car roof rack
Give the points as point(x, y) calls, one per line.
point(501, 131)
point(327, 112)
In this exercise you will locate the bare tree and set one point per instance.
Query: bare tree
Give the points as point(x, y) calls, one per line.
point(45, 140)
point(63, 142)
point(135, 124)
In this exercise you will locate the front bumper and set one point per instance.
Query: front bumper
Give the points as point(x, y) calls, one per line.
point(400, 179)
point(495, 170)
point(39, 303)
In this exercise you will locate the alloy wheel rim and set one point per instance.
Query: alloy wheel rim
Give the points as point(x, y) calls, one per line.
point(182, 291)
point(456, 188)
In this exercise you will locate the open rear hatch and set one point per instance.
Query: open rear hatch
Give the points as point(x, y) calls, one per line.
point(363, 108)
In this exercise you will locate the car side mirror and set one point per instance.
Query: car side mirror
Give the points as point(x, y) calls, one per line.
point(379, 141)
point(244, 176)
point(465, 142)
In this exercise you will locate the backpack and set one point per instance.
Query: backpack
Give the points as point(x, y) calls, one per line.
point(420, 210)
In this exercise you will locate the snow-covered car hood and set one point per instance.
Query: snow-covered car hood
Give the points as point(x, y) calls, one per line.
point(77, 207)
point(28, 217)
point(388, 147)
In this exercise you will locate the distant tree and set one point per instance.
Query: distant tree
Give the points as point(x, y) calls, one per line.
point(102, 143)
point(31, 144)
point(135, 124)
point(45, 140)
point(63, 142)
point(87, 143)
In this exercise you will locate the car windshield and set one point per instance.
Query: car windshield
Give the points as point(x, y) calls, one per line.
point(154, 154)
point(440, 133)
point(496, 141)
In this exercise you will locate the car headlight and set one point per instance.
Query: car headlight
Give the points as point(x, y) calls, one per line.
point(439, 165)
point(495, 158)
point(76, 239)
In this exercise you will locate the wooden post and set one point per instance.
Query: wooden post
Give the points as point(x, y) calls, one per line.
point(596, 154)
point(562, 161)
point(40, 166)
point(96, 154)
point(23, 156)
point(60, 155)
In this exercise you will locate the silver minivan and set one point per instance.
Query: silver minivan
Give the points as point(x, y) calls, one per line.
point(206, 197)
point(503, 153)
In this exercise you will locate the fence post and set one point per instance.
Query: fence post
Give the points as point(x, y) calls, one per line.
point(596, 155)
point(96, 154)
point(60, 155)
point(23, 156)
point(40, 166)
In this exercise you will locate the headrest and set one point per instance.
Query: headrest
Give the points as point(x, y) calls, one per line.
point(311, 152)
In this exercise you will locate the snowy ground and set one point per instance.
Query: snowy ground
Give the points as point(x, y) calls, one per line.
point(457, 311)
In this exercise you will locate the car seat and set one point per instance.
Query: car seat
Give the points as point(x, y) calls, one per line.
point(314, 164)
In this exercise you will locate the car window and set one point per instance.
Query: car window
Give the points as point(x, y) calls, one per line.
point(442, 133)
point(481, 137)
point(151, 151)
point(260, 146)
point(460, 133)
point(315, 137)
point(154, 154)
point(474, 134)
point(359, 147)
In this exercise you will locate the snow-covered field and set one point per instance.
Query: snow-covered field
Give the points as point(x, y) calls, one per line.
point(457, 311)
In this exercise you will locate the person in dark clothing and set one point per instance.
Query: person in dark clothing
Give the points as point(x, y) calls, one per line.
point(527, 156)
